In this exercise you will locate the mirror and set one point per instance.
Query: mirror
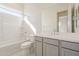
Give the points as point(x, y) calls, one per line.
point(76, 17)
point(64, 24)
point(63, 21)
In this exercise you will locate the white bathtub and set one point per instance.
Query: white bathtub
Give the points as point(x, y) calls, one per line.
point(13, 49)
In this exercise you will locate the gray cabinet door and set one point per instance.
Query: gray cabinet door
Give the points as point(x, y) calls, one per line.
point(38, 48)
point(70, 45)
point(1, 27)
point(67, 52)
point(50, 50)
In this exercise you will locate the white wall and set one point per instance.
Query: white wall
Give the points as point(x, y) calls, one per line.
point(17, 6)
point(14, 28)
point(49, 17)
point(44, 16)
point(34, 16)
point(10, 26)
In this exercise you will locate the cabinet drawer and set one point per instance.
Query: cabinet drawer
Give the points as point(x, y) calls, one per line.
point(67, 52)
point(70, 45)
point(51, 41)
point(38, 38)
point(50, 50)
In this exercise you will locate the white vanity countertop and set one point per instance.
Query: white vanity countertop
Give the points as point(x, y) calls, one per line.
point(72, 37)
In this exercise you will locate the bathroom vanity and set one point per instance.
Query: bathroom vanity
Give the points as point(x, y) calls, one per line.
point(54, 46)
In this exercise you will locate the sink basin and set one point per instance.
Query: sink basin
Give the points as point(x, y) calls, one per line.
point(26, 44)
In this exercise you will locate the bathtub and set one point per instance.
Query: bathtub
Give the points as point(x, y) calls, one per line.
point(13, 49)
